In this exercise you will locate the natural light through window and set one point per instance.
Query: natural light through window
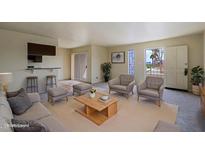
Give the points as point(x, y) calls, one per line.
point(131, 62)
point(154, 61)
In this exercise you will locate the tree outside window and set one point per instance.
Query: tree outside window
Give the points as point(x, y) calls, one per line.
point(154, 61)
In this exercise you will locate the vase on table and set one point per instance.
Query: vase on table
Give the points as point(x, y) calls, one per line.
point(92, 95)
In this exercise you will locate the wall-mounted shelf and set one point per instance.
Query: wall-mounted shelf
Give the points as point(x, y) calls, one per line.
point(41, 68)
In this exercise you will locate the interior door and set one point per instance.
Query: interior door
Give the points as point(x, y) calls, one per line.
point(79, 68)
point(176, 62)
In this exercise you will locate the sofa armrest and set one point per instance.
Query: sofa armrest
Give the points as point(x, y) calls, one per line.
point(34, 97)
point(131, 86)
point(115, 81)
point(161, 90)
point(141, 86)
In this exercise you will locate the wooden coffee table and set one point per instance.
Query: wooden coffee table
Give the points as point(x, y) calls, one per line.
point(95, 110)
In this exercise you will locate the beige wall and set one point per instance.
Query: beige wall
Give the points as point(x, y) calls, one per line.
point(99, 56)
point(13, 58)
point(195, 53)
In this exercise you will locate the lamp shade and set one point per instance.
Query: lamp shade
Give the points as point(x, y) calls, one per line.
point(5, 77)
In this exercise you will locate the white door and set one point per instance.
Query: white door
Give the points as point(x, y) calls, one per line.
point(170, 67)
point(176, 65)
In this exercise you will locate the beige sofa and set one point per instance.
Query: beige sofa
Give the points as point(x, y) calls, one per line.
point(122, 84)
point(37, 112)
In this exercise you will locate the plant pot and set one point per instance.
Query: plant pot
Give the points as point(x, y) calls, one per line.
point(92, 95)
point(106, 78)
point(195, 89)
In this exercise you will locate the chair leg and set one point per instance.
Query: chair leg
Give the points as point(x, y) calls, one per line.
point(109, 91)
point(66, 98)
point(127, 95)
point(138, 97)
point(159, 103)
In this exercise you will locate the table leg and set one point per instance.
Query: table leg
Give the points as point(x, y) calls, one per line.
point(110, 110)
point(89, 110)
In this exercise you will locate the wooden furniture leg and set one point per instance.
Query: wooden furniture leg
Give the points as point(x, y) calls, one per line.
point(110, 111)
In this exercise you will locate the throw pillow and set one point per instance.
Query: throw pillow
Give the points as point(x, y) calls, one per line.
point(20, 103)
point(28, 126)
point(14, 94)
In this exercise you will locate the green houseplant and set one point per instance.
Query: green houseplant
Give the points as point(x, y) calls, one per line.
point(106, 67)
point(197, 77)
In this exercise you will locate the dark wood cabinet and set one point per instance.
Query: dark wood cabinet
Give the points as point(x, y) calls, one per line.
point(41, 49)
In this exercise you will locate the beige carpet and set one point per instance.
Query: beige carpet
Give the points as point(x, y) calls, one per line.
point(132, 116)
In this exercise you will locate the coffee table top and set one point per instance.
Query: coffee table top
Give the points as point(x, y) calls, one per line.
point(94, 102)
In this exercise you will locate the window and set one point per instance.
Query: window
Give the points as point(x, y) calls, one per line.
point(131, 62)
point(154, 61)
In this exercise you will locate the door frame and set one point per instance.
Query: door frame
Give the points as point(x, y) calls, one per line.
point(73, 65)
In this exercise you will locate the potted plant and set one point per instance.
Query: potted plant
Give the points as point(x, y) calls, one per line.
point(197, 78)
point(92, 92)
point(106, 67)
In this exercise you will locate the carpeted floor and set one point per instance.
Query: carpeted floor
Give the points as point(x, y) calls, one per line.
point(132, 116)
point(189, 117)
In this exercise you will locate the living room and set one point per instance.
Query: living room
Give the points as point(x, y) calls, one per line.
point(102, 76)
point(68, 72)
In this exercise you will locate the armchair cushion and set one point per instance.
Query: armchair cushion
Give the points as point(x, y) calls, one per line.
point(154, 82)
point(125, 79)
point(120, 87)
point(115, 81)
point(141, 86)
point(149, 92)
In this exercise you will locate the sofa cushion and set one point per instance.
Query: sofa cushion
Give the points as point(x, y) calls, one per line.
point(125, 79)
point(20, 103)
point(119, 87)
point(149, 92)
point(28, 126)
point(1, 93)
point(53, 124)
point(3, 101)
point(5, 125)
point(57, 91)
point(34, 97)
point(36, 112)
point(5, 112)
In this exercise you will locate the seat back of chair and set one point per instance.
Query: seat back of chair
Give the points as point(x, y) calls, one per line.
point(125, 79)
point(154, 82)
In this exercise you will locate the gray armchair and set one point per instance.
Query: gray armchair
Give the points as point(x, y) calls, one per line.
point(122, 84)
point(151, 88)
